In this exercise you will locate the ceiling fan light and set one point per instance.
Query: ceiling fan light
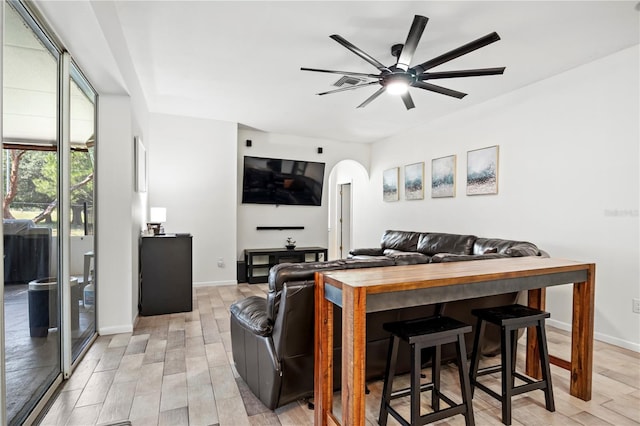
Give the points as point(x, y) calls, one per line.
point(397, 87)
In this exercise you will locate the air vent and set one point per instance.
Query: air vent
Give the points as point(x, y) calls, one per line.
point(348, 81)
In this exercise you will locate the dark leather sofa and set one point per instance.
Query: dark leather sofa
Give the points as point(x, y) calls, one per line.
point(273, 339)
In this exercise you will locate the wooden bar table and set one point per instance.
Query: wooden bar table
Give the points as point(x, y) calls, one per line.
point(360, 291)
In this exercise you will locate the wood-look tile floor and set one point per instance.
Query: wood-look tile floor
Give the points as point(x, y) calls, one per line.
point(178, 370)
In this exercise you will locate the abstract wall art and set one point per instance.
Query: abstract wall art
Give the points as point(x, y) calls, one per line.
point(413, 181)
point(390, 184)
point(482, 171)
point(443, 177)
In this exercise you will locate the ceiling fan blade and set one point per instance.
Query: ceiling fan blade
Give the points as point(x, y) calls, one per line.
point(359, 52)
point(408, 102)
point(372, 97)
point(354, 74)
point(461, 73)
point(455, 53)
point(439, 89)
point(348, 88)
point(419, 22)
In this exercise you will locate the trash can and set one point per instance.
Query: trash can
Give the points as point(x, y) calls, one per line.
point(43, 305)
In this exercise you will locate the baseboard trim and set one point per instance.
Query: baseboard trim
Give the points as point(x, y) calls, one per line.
point(215, 283)
point(116, 329)
point(599, 336)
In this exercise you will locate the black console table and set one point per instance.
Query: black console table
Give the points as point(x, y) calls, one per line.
point(165, 274)
point(259, 261)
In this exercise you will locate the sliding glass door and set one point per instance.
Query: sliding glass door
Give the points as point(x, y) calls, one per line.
point(81, 198)
point(48, 158)
point(30, 215)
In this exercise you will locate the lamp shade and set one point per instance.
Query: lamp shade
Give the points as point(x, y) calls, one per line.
point(158, 215)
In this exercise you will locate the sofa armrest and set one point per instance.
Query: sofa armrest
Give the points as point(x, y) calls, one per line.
point(251, 313)
point(253, 355)
point(522, 249)
point(366, 252)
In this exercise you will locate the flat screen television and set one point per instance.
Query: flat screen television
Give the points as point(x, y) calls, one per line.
point(279, 181)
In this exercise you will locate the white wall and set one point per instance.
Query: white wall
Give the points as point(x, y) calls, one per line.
point(313, 218)
point(568, 181)
point(115, 247)
point(192, 172)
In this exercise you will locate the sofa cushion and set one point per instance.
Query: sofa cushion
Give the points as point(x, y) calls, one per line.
point(406, 257)
point(400, 240)
point(251, 313)
point(509, 247)
point(432, 243)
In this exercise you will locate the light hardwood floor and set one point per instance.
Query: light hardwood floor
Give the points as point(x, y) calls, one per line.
point(177, 369)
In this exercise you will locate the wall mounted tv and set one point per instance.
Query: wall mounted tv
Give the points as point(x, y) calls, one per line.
point(279, 181)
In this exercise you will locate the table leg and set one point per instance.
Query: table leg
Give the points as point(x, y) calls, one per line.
point(323, 357)
point(537, 299)
point(582, 336)
point(354, 301)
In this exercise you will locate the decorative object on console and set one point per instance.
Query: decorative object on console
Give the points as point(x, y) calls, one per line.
point(413, 181)
point(396, 79)
point(291, 243)
point(157, 216)
point(390, 184)
point(482, 171)
point(443, 177)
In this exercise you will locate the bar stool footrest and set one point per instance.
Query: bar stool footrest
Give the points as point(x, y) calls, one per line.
point(401, 393)
point(442, 414)
point(529, 387)
point(491, 392)
point(489, 370)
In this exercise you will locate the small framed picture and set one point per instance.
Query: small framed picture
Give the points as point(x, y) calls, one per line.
point(390, 184)
point(443, 177)
point(482, 171)
point(413, 181)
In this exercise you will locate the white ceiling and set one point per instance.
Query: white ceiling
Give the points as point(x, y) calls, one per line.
point(240, 61)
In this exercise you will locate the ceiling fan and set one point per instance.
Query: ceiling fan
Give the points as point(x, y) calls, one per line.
point(397, 78)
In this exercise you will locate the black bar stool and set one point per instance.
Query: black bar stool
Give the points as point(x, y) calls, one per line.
point(511, 318)
point(426, 333)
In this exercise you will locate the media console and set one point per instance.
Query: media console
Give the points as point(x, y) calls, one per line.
point(259, 261)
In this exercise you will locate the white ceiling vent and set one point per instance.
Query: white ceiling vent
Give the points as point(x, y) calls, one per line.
point(349, 81)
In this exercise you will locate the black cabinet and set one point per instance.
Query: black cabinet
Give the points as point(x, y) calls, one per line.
point(165, 274)
point(259, 261)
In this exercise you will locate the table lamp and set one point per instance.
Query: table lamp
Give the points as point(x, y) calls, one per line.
point(157, 216)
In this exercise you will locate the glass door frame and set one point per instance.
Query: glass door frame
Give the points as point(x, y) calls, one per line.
point(3, 378)
point(71, 72)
